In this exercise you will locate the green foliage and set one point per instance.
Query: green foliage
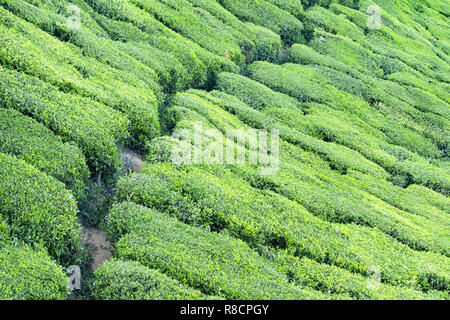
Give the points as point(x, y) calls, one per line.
point(95, 127)
point(216, 264)
point(40, 210)
point(31, 141)
point(311, 88)
point(172, 74)
point(253, 93)
point(4, 231)
point(27, 274)
point(213, 196)
point(294, 7)
point(304, 271)
point(129, 280)
point(92, 45)
point(321, 193)
point(363, 175)
point(196, 24)
point(267, 15)
point(256, 42)
point(283, 119)
point(202, 64)
point(63, 65)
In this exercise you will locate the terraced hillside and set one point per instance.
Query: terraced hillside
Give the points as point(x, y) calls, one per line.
point(350, 201)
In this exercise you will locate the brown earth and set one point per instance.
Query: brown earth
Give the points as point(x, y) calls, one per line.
point(95, 239)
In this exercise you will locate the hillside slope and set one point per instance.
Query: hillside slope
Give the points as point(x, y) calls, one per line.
point(351, 201)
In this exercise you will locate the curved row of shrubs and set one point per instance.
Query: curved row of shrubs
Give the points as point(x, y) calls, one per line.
point(340, 157)
point(31, 141)
point(265, 14)
point(202, 64)
point(33, 51)
point(216, 264)
point(320, 190)
point(286, 79)
point(130, 280)
point(326, 278)
point(256, 42)
point(39, 210)
point(383, 40)
point(212, 196)
point(100, 48)
point(94, 127)
point(27, 274)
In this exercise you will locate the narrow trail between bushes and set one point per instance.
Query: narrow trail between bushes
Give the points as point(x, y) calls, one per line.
point(95, 239)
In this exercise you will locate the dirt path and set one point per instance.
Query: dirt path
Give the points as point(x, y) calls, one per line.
point(96, 241)
point(95, 238)
point(131, 160)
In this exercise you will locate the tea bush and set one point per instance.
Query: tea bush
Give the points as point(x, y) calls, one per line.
point(31, 141)
point(267, 15)
point(214, 263)
point(40, 210)
point(35, 52)
point(202, 63)
point(213, 196)
point(195, 24)
point(256, 42)
point(326, 278)
point(27, 274)
point(95, 127)
point(323, 198)
point(294, 7)
point(129, 280)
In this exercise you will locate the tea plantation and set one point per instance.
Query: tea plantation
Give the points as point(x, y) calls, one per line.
point(351, 199)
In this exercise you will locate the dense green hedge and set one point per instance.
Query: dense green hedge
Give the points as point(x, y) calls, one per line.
point(324, 196)
point(95, 128)
point(340, 157)
point(326, 278)
point(4, 231)
point(202, 64)
point(209, 25)
point(294, 7)
point(421, 111)
point(302, 54)
point(212, 196)
point(309, 87)
point(267, 15)
point(195, 24)
point(31, 141)
point(172, 75)
point(129, 280)
point(253, 93)
point(92, 45)
point(262, 43)
point(415, 199)
point(35, 52)
point(395, 42)
point(214, 263)
point(40, 210)
point(27, 274)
